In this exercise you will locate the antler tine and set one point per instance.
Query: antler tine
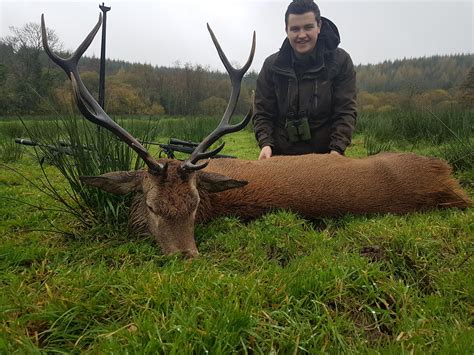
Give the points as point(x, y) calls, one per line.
point(70, 64)
point(86, 103)
point(224, 127)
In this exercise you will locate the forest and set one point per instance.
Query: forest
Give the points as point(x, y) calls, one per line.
point(31, 85)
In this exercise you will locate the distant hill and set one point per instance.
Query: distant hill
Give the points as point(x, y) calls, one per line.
point(417, 74)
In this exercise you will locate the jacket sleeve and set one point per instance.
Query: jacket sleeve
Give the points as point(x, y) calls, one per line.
point(344, 105)
point(265, 108)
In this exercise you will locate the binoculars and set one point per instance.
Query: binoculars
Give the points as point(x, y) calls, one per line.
point(297, 127)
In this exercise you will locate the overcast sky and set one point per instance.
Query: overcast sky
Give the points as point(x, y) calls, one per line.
point(162, 32)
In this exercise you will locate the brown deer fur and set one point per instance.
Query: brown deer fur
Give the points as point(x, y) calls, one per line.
point(332, 185)
point(311, 185)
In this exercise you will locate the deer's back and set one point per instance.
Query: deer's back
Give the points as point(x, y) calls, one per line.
point(317, 185)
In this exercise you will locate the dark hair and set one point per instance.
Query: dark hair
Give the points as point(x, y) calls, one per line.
point(299, 7)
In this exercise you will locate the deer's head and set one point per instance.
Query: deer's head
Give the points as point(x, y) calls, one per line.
point(170, 188)
point(170, 200)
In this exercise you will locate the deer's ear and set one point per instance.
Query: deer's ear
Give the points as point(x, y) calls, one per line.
point(212, 182)
point(117, 182)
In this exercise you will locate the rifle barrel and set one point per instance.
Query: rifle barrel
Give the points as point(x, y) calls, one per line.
point(183, 143)
point(186, 147)
point(26, 142)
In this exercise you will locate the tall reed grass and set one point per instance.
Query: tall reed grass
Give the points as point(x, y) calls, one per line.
point(415, 126)
point(451, 131)
point(84, 149)
point(9, 150)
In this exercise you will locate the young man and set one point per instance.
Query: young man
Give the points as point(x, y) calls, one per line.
point(305, 100)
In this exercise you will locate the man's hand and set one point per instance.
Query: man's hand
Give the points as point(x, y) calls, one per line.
point(265, 153)
point(334, 152)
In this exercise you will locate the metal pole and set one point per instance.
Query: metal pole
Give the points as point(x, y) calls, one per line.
point(102, 58)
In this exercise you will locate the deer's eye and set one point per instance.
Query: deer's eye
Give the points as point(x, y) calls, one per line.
point(149, 208)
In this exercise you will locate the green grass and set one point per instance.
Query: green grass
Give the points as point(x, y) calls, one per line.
point(417, 125)
point(449, 133)
point(278, 284)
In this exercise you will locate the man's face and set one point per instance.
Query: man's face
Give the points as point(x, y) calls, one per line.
point(302, 32)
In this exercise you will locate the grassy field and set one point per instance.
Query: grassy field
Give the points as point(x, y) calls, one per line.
point(278, 284)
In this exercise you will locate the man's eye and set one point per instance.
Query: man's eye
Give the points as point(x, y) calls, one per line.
point(309, 27)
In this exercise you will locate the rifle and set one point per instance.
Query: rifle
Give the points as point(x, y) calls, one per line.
point(174, 145)
point(62, 149)
point(178, 145)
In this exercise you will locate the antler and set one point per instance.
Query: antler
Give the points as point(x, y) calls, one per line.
point(224, 127)
point(86, 103)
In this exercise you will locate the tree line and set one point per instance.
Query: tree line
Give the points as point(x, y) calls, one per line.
point(31, 84)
